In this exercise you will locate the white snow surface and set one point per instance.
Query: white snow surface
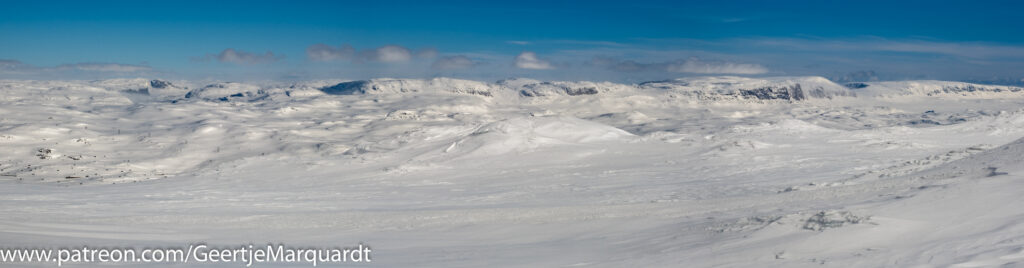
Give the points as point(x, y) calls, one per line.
point(692, 172)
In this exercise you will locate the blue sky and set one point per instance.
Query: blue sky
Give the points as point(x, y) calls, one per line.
point(620, 41)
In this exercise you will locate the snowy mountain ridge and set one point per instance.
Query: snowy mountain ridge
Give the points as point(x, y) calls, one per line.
point(936, 88)
point(708, 89)
point(702, 89)
point(713, 89)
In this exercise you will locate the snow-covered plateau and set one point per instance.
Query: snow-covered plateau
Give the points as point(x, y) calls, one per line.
point(691, 172)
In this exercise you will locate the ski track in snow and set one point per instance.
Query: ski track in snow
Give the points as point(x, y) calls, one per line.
point(712, 171)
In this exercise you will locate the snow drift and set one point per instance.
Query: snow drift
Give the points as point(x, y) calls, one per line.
point(524, 134)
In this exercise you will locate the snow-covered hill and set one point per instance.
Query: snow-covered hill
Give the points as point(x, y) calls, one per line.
point(402, 86)
point(753, 89)
point(708, 171)
point(936, 88)
point(703, 88)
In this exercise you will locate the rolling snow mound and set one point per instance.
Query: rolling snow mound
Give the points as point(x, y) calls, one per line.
point(524, 134)
point(990, 163)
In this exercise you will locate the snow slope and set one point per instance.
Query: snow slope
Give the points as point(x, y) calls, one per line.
point(752, 89)
point(937, 88)
point(707, 171)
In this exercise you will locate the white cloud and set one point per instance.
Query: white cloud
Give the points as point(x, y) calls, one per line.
point(624, 65)
point(15, 67)
point(4, 63)
point(389, 53)
point(587, 43)
point(241, 57)
point(427, 53)
point(597, 43)
point(322, 52)
point(105, 67)
point(84, 70)
point(891, 59)
point(694, 65)
point(691, 65)
point(453, 62)
point(529, 60)
point(972, 50)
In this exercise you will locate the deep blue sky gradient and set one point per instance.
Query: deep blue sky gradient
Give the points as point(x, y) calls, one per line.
point(972, 40)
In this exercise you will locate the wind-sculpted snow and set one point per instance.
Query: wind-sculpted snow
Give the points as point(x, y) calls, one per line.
point(987, 163)
point(708, 171)
point(524, 134)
